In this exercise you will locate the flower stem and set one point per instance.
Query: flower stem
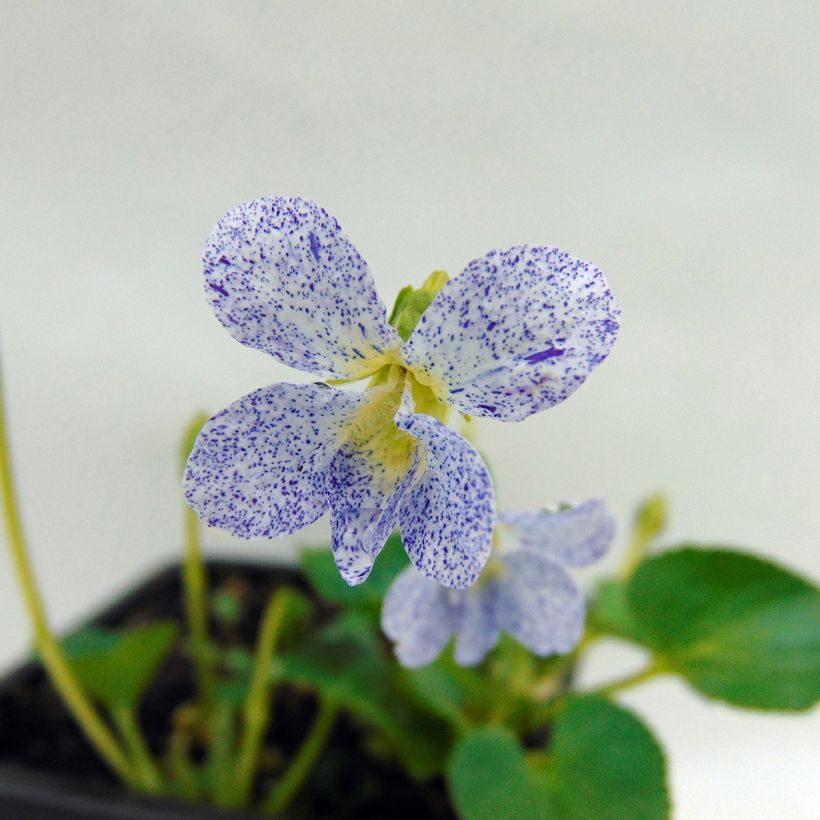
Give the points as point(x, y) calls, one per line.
point(195, 583)
point(49, 649)
point(306, 757)
point(258, 705)
point(147, 772)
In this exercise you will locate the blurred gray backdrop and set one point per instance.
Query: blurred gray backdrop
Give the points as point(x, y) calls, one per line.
point(674, 145)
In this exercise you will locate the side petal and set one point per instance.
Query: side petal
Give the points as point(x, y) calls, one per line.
point(418, 616)
point(447, 517)
point(517, 331)
point(478, 629)
point(256, 468)
point(283, 277)
point(575, 537)
point(539, 604)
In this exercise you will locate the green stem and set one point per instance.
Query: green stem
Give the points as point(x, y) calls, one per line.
point(196, 607)
point(220, 756)
point(301, 766)
point(195, 582)
point(650, 671)
point(259, 703)
point(46, 643)
point(147, 772)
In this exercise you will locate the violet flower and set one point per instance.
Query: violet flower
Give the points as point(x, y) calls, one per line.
point(517, 331)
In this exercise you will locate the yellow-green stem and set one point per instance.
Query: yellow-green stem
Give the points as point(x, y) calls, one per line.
point(259, 703)
point(144, 766)
point(196, 606)
point(195, 580)
point(49, 649)
point(290, 783)
point(650, 671)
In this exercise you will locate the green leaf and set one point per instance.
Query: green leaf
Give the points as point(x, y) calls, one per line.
point(117, 667)
point(737, 627)
point(345, 663)
point(610, 614)
point(489, 779)
point(323, 574)
point(602, 763)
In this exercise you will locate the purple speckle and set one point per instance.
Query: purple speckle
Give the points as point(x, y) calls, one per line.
point(218, 288)
point(315, 247)
point(549, 353)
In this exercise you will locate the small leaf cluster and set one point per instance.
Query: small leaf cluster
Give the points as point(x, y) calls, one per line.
point(509, 738)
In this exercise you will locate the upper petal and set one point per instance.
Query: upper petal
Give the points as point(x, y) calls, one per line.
point(576, 536)
point(447, 517)
point(257, 467)
point(418, 616)
point(539, 604)
point(517, 331)
point(283, 277)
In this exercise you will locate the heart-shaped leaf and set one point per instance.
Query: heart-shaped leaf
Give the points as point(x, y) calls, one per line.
point(737, 627)
point(602, 763)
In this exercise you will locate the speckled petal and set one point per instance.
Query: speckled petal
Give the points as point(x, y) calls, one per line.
point(539, 604)
point(363, 512)
point(447, 516)
point(283, 277)
point(478, 629)
point(418, 616)
point(516, 332)
point(257, 467)
point(575, 537)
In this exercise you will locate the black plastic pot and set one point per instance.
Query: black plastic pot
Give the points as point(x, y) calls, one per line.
point(47, 770)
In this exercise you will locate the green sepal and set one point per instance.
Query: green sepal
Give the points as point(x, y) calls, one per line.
point(411, 303)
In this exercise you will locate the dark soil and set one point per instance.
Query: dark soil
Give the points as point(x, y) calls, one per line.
point(36, 732)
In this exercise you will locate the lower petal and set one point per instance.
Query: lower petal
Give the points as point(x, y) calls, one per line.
point(447, 516)
point(478, 624)
point(539, 604)
point(365, 482)
point(256, 468)
point(418, 616)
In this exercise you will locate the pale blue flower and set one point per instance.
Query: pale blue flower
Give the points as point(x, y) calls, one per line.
point(516, 332)
point(524, 590)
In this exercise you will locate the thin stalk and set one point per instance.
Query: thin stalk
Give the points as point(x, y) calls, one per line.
point(259, 703)
point(220, 755)
point(195, 582)
point(147, 772)
point(551, 710)
point(307, 755)
point(652, 670)
point(46, 643)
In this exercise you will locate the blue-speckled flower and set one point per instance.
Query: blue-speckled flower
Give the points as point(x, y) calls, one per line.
point(524, 590)
point(517, 331)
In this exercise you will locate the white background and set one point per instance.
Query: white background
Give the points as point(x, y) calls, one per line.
point(676, 145)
